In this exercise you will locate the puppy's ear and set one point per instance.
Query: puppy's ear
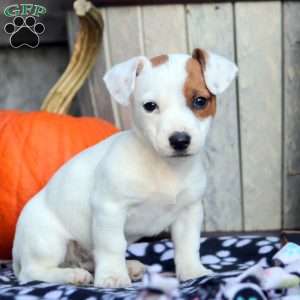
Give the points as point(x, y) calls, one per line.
point(218, 70)
point(120, 79)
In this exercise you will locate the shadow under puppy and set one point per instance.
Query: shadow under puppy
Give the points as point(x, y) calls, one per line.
point(134, 184)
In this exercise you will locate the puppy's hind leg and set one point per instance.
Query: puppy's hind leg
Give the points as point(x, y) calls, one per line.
point(136, 269)
point(75, 276)
point(43, 265)
point(41, 258)
point(78, 257)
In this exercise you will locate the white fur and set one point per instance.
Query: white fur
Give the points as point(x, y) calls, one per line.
point(219, 73)
point(121, 87)
point(124, 188)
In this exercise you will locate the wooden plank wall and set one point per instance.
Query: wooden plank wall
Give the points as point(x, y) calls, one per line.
point(27, 75)
point(254, 146)
point(259, 59)
point(291, 72)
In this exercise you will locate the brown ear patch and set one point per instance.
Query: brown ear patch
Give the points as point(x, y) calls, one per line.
point(201, 56)
point(195, 86)
point(159, 60)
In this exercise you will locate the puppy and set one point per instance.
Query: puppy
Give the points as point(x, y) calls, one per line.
point(134, 184)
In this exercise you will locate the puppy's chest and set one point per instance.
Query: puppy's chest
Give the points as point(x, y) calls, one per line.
point(160, 197)
point(155, 213)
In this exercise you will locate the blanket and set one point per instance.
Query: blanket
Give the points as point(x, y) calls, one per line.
point(237, 263)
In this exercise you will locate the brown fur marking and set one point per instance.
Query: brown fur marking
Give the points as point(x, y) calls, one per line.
point(159, 60)
point(195, 86)
point(201, 56)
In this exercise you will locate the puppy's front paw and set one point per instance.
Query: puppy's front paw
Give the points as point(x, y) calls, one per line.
point(113, 281)
point(192, 273)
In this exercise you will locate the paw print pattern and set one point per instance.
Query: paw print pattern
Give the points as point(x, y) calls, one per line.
point(24, 32)
point(264, 246)
point(164, 250)
point(249, 246)
point(237, 242)
point(220, 259)
point(268, 245)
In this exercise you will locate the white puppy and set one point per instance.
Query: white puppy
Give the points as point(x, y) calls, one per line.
point(134, 184)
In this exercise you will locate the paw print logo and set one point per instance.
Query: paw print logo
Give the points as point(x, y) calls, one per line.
point(24, 32)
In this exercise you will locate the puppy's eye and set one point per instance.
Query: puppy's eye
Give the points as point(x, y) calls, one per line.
point(150, 106)
point(199, 103)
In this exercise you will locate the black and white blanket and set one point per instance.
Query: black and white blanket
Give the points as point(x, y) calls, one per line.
point(227, 256)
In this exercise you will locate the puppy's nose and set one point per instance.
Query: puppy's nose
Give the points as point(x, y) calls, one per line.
point(179, 141)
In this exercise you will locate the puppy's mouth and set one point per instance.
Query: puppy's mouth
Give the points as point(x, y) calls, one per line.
point(181, 154)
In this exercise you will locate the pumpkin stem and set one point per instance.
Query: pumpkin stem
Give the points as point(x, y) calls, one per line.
point(87, 44)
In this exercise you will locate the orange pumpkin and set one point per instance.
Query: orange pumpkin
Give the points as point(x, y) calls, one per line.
point(33, 146)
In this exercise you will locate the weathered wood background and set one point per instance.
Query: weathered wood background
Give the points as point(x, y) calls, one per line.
point(254, 146)
point(27, 75)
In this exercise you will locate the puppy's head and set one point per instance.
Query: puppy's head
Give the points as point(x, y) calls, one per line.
point(172, 97)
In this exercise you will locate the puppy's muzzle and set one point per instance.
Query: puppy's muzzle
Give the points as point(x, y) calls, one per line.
point(179, 141)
